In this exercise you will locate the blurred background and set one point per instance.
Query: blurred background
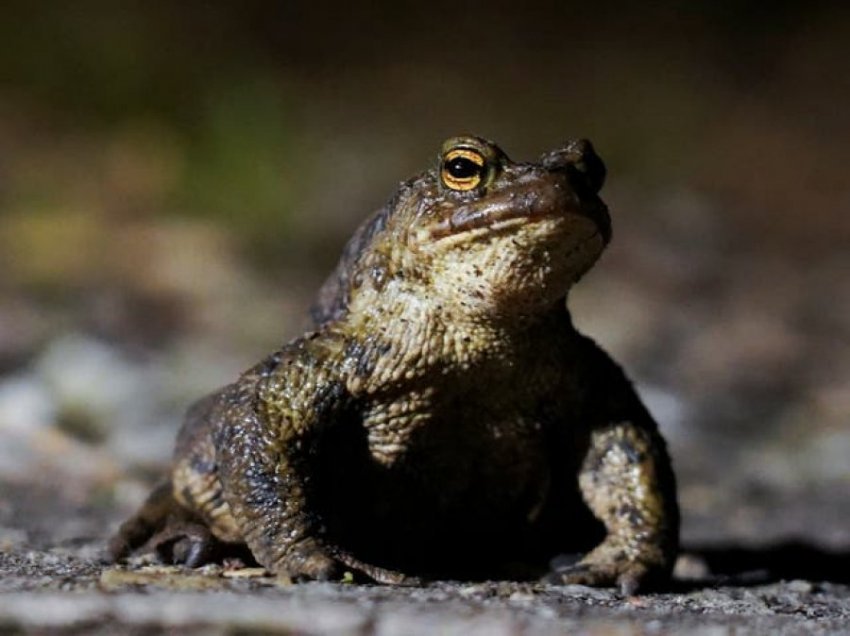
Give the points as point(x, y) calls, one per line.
point(177, 178)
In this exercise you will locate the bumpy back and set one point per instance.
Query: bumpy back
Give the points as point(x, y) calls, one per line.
point(331, 302)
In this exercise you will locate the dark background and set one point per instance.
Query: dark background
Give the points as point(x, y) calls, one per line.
point(176, 178)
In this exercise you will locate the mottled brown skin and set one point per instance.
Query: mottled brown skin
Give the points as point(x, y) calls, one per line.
point(443, 419)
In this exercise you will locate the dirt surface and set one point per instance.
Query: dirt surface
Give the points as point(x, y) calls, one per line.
point(53, 580)
point(64, 593)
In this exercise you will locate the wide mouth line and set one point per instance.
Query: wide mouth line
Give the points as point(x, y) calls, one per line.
point(495, 213)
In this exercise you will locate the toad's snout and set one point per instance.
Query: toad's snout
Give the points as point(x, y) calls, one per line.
point(585, 171)
point(579, 160)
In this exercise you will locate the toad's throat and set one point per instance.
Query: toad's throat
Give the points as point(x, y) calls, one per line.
point(512, 207)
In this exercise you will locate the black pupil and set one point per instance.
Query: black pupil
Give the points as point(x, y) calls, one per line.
point(462, 168)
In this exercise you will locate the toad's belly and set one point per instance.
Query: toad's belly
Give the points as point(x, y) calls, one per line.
point(452, 487)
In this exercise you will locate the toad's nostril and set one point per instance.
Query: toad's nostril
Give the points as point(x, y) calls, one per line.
point(578, 158)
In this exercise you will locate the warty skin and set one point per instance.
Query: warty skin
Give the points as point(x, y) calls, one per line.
point(444, 419)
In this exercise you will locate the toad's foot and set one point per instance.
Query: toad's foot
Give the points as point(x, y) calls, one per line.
point(627, 483)
point(310, 560)
point(151, 518)
point(608, 565)
point(186, 543)
point(175, 535)
point(376, 573)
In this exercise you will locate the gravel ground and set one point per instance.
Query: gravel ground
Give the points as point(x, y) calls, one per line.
point(63, 591)
point(53, 581)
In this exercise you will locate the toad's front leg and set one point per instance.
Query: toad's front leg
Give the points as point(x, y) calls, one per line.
point(263, 448)
point(627, 482)
point(267, 446)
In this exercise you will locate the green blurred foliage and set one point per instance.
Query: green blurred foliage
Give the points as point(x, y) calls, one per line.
point(165, 89)
point(98, 61)
point(284, 123)
point(238, 164)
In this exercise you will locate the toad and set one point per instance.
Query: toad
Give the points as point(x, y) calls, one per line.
point(443, 418)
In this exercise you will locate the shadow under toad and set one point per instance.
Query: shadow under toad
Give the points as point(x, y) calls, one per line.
point(733, 564)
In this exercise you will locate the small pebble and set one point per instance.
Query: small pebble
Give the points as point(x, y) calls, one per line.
point(800, 586)
point(244, 573)
point(691, 567)
point(521, 597)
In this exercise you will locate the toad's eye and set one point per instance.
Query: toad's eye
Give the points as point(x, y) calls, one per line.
point(462, 169)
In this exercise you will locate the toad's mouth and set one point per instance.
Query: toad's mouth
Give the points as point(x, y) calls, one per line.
point(515, 208)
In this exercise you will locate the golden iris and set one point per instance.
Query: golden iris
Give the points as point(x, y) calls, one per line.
point(462, 169)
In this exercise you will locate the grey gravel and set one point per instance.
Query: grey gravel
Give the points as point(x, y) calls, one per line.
point(68, 590)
